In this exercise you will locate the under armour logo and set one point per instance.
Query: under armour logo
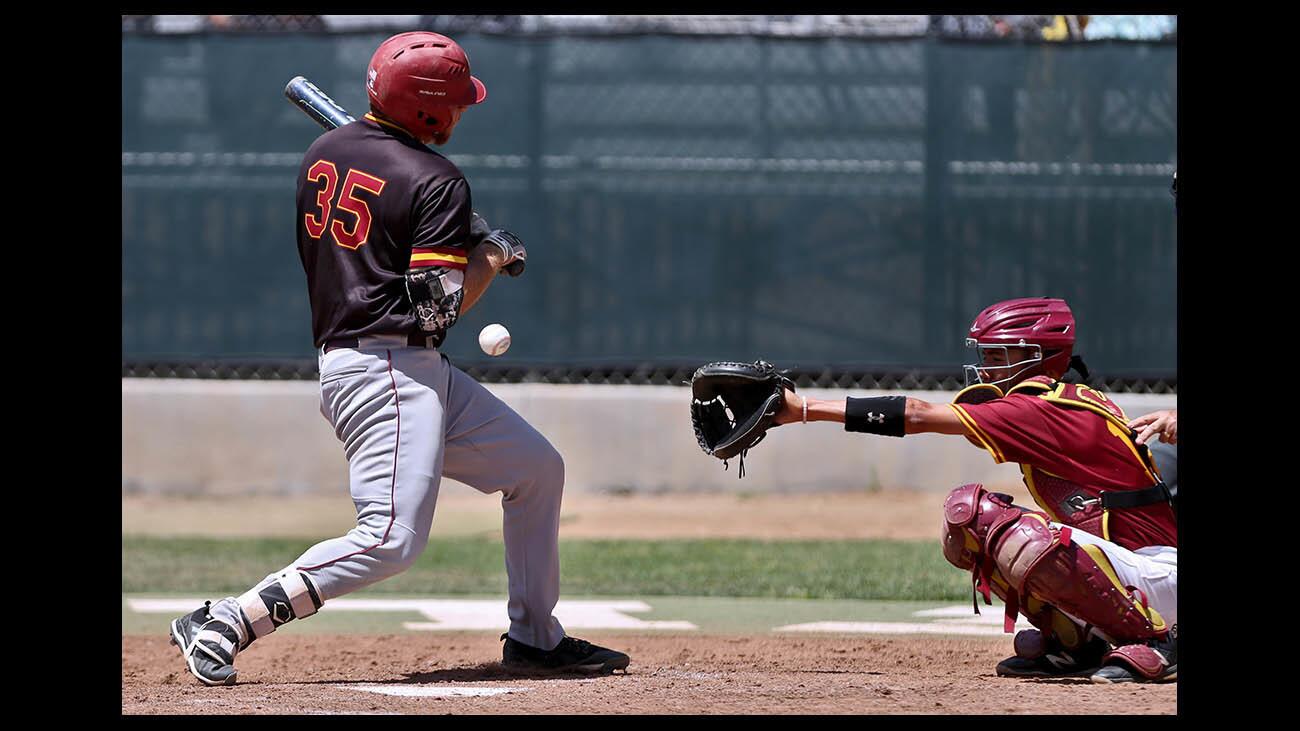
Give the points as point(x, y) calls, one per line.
point(875, 418)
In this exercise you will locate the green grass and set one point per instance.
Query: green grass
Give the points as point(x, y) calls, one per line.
point(876, 569)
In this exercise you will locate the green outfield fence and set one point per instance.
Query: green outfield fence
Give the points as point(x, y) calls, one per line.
point(824, 194)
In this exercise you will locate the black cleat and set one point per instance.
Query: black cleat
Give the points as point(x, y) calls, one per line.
point(208, 646)
point(1056, 662)
point(572, 654)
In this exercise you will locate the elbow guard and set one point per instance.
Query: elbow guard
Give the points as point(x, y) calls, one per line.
point(436, 294)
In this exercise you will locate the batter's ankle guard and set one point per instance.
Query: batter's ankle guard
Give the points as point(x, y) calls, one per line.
point(290, 596)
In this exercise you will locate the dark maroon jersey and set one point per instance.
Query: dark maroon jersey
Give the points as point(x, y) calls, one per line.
point(373, 203)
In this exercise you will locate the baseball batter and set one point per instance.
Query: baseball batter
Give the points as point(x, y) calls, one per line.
point(393, 256)
point(1096, 569)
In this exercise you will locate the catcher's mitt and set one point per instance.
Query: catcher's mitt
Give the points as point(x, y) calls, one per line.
point(734, 404)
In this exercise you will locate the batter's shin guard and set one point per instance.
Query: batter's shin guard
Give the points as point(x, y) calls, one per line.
point(285, 597)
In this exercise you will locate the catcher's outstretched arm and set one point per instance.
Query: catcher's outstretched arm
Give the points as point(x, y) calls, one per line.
point(917, 417)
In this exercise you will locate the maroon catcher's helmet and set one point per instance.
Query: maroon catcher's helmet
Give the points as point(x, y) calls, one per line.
point(420, 81)
point(1042, 325)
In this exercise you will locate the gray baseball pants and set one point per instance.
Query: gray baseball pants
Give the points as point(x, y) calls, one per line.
point(406, 418)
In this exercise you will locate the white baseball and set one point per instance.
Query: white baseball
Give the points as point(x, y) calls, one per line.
point(494, 339)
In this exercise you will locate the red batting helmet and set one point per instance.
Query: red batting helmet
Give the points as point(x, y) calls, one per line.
point(418, 80)
point(1043, 325)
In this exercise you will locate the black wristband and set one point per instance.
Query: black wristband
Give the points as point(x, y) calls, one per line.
point(876, 415)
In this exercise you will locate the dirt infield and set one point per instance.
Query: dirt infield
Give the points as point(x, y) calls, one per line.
point(677, 674)
point(901, 515)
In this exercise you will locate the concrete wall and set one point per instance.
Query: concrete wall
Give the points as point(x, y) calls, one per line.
point(188, 436)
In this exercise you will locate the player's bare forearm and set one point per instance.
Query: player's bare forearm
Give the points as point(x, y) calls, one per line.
point(923, 417)
point(919, 417)
point(484, 262)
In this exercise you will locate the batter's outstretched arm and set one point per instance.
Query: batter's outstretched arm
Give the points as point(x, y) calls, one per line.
point(484, 263)
point(919, 417)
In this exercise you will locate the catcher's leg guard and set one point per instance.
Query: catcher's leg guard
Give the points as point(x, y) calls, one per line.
point(1019, 552)
point(1079, 580)
point(280, 598)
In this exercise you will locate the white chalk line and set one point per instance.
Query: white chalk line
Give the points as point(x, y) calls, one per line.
point(951, 620)
point(425, 691)
point(465, 614)
point(490, 614)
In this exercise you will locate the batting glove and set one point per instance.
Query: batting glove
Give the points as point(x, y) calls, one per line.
point(511, 248)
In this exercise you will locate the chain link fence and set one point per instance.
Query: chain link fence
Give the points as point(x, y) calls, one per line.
point(701, 188)
point(630, 373)
point(963, 27)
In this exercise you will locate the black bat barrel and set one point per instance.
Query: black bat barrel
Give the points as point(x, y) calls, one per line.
point(316, 103)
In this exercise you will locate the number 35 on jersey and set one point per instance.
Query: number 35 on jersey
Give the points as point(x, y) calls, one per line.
point(353, 229)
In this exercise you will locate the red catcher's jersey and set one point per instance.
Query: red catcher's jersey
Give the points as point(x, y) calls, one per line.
point(1073, 444)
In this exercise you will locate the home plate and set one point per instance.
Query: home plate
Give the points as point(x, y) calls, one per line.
point(440, 691)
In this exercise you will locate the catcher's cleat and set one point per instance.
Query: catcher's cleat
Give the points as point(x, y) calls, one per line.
point(208, 646)
point(1056, 661)
point(1153, 662)
point(572, 654)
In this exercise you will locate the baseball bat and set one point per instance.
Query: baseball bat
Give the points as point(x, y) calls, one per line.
point(316, 104)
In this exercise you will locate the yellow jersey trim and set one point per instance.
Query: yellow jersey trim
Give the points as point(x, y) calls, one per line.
point(386, 123)
point(1055, 396)
point(439, 257)
point(979, 433)
point(1123, 434)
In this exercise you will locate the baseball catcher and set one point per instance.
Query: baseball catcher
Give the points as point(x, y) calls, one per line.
point(1095, 568)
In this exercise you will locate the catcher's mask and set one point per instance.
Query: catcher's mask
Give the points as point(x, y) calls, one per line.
point(1040, 329)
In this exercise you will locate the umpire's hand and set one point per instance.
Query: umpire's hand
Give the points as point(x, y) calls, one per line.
point(1162, 423)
